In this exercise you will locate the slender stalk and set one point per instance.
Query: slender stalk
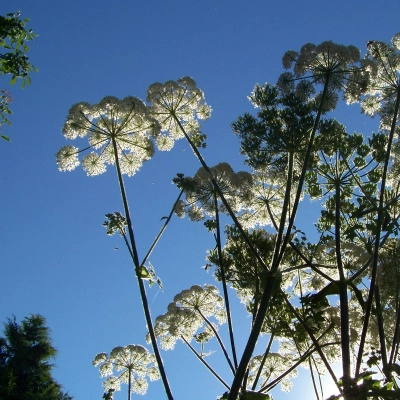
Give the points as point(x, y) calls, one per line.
point(224, 286)
point(205, 363)
point(313, 379)
point(304, 170)
point(304, 357)
point(315, 342)
point(221, 195)
point(129, 383)
point(142, 289)
point(271, 339)
point(344, 304)
point(279, 251)
point(382, 340)
point(395, 340)
point(266, 296)
point(221, 344)
point(379, 222)
point(161, 230)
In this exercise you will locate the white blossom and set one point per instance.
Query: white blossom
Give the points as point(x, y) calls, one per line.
point(177, 106)
point(188, 313)
point(115, 128)
point(67, 158)
point(132, 363)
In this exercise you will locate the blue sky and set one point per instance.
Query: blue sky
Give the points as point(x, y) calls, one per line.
point(55, 257)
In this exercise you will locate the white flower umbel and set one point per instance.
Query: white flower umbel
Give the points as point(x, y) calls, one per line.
point(131, 364)
point(384, 69)
point(178, 105)
point(189, 312)
point(331, 63)
point(200, 190)
point(115, 128)
point(272, 367)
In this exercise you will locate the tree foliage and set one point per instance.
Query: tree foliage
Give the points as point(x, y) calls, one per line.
point(25, 352)
point(14, 38)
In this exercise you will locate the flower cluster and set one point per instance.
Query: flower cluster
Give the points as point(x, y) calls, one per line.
point(118, 131)
point(328, 64)
point(133, 363)
point(177, 106)
point(188, 313)
point(381, 94)
point(266, 199)
point(200, 191)
point(272, 367)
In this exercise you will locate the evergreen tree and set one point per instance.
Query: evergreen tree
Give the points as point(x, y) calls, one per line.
point(25, 371)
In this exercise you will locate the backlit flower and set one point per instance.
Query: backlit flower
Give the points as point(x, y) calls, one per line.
point(188, 313)
point(115, 128)
point(327, 63)
point(176, 105)
point(132, 364)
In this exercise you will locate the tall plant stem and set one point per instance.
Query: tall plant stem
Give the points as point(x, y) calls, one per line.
point(266, 296)
point(224, 286)
point(278, 254)
point(395, 340)
point(129, 384)
point(377, 246)
point(344, 303)
point(303, 171)
point(142, 288)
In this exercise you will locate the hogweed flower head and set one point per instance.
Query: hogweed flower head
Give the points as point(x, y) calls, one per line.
point(187, 314)
point(115, 128)
point(131, 364)
point(273, 367)
point(384, 64)
point(200, 191)
point(331, 63)
point(176, 105)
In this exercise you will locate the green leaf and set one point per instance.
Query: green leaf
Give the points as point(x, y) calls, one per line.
point(6, 138)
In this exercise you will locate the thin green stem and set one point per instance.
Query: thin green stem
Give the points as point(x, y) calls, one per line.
point(271, 339)
point(129, 383)
point(224, 285)
point(264, 303)
point(379, 222)
point(304, 170)
point(221, 195)
point(142, 288)
point(304, 357)
point(221, 344)
point(344, 304)
point(205, 363)
point(161, 230)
